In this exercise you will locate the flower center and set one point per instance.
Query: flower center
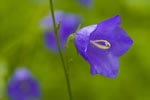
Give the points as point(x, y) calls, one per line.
point(101, 44)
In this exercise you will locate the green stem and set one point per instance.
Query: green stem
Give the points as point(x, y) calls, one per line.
point(60, 51)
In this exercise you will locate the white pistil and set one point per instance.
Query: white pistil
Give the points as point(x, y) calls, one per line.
point(96, 43)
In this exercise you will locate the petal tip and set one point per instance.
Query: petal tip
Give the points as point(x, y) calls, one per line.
point(116, 19)
point(110, 23)
point(117, 16)
point(112, 74)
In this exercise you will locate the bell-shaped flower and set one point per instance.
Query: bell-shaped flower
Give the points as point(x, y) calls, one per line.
point(102, 44)
point(22, 86)
point(68, 24)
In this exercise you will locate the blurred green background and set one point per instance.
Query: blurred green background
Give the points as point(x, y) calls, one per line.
point(21, 44)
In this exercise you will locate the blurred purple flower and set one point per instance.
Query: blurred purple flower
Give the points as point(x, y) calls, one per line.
point(85, 3)
point(22, 86)
point(68, 25)
point(102, 45)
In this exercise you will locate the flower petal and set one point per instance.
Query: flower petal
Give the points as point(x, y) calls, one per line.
point(47, 22)
point(104, 64)
point(121, 42)
point(115, 35)
point(68, 25)
point(50, 41)
point(109, 24)
point(85, 3)
point(82, 39)
point(21, 74)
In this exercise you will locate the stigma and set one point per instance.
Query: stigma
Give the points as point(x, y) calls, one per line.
point(101, 44)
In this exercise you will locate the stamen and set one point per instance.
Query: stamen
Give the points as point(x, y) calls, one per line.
point(96, 43)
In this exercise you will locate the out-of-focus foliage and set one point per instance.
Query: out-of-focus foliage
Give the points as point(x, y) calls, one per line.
point(3, 75)
point(21, 44)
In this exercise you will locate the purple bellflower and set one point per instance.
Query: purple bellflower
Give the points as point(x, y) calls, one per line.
point(102, 44)
point(22, 86)
point(85, 3)
point(68, 25)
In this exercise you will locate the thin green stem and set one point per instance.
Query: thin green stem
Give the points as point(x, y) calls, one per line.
point(60, 51)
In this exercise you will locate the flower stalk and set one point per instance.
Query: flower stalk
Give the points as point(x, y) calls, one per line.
point(60, 51)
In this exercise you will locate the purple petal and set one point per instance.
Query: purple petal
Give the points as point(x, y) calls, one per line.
point(121, 42)
point(47, 22)
point(68, 25)
point(106, 65)
point(118, 39)
point(50, 41)
point(85, 3)
point(109, 24)
point(82, 39)
point(21, 74)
